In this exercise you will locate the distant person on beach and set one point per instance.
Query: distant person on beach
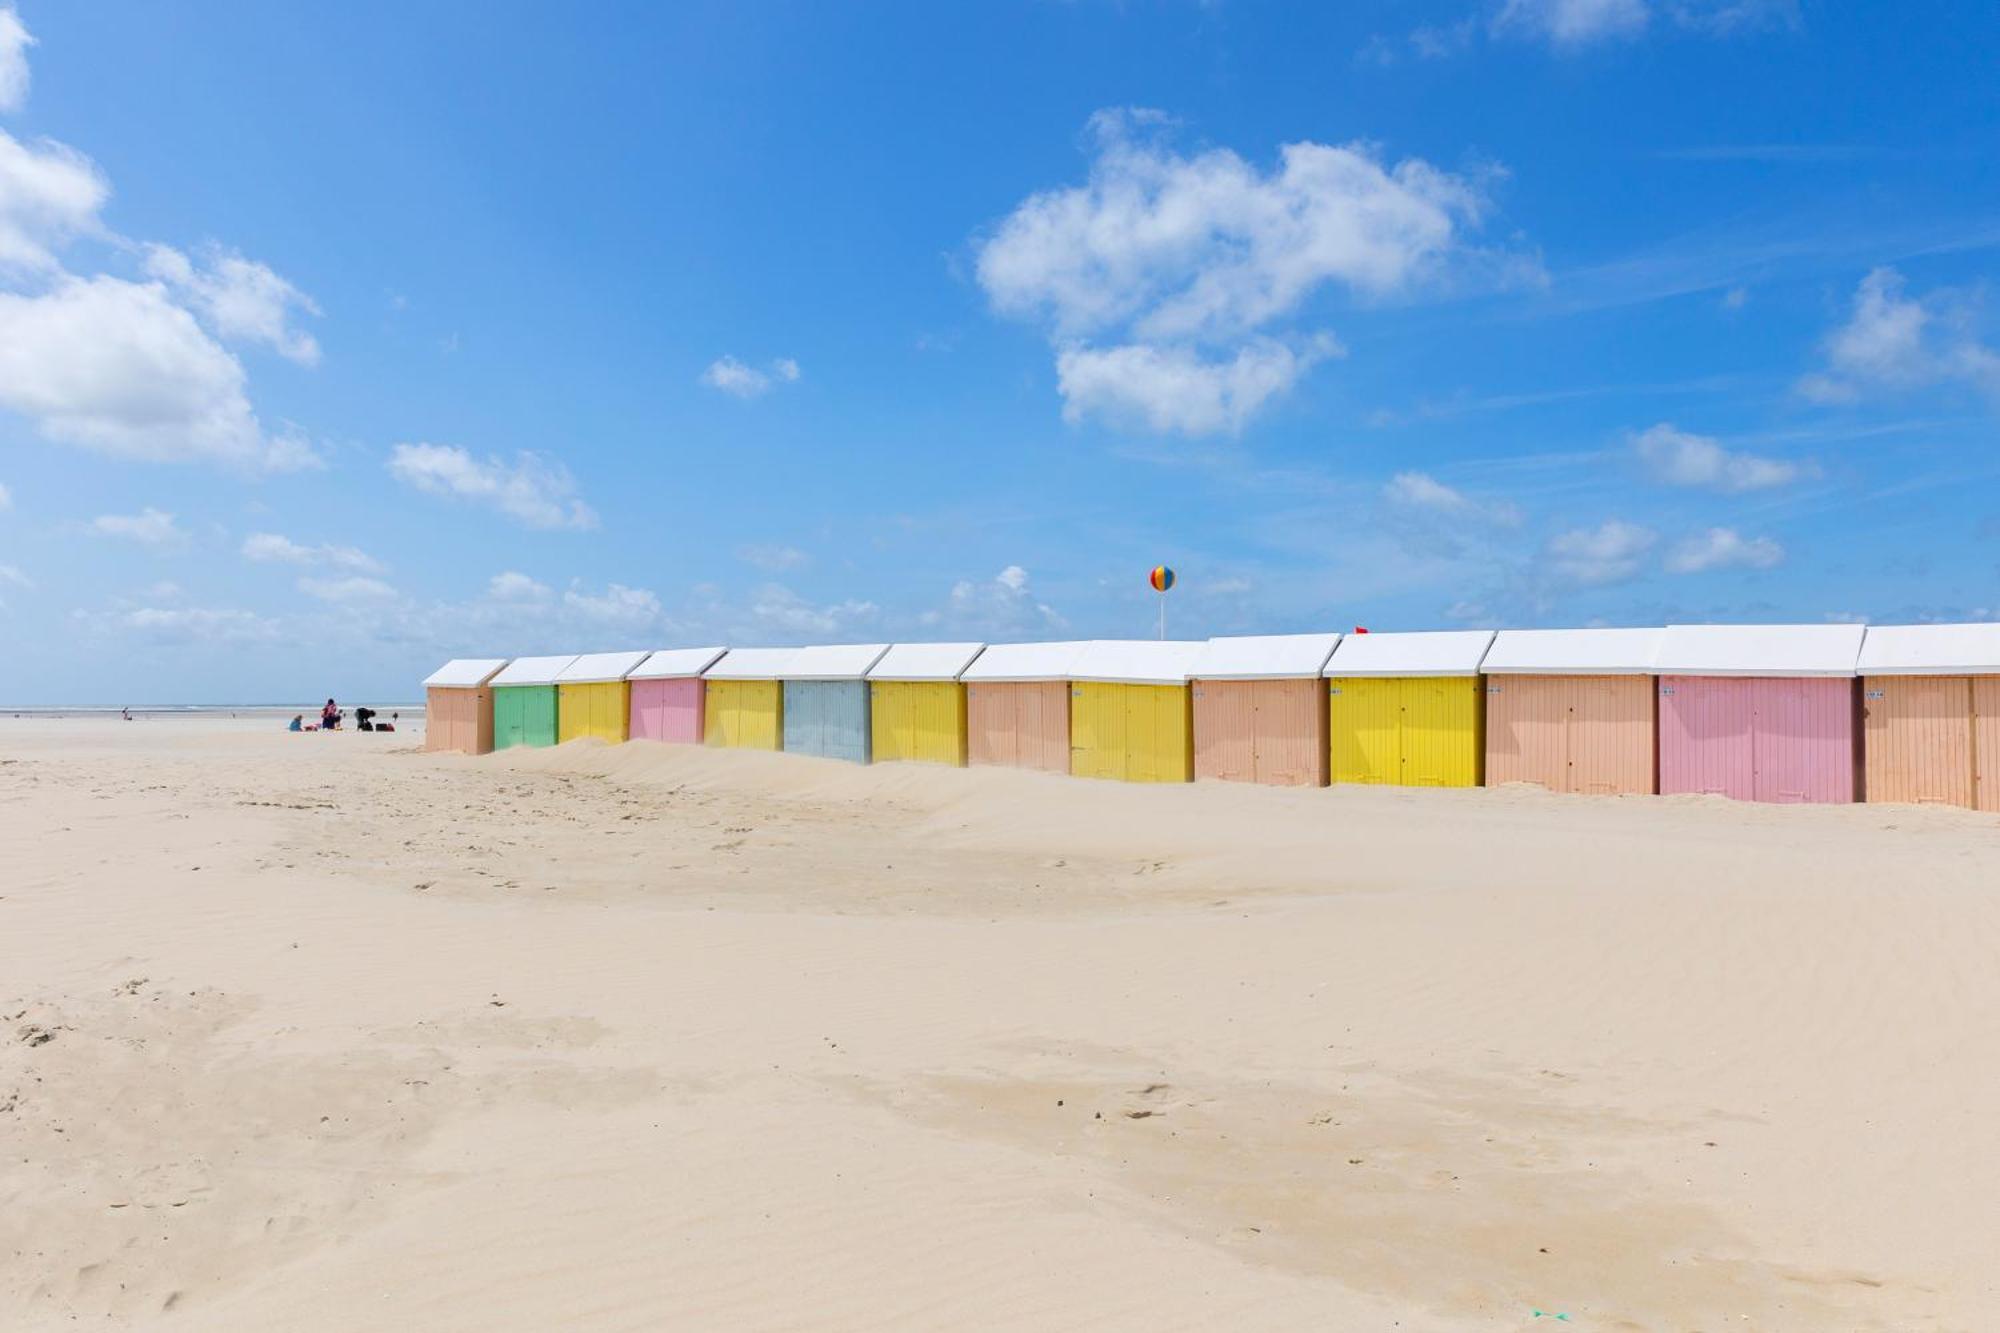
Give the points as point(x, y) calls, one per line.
point(298, 722)
point(125, 713)
point(329, 716)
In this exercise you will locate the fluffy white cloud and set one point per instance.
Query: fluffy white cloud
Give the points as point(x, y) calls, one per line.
point(14, 43)
point(1679, 458)
point(778, 608)
point(1175, 388)
point(183, 624)
point(154, 527)
point(1420, 490)
point(531, 490)
point(1573, 23)
point(1723, 548)
point(1002, 606)
point(745, 381)
point(1893, 342)
point(271, 547)
point(1209, 244)
point(513, 586)
point(1612, 552)
point(618, 607)
point(1160, 276)
point(347, 590)
point(48, 194)
point(241, 299)
point(118, 368)
point(773, 558)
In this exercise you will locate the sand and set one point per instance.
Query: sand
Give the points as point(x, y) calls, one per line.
point(313, 1032)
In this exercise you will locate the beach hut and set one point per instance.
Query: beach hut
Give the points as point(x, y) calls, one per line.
point(524, 701)
point(826, 700)
point(916, 704)
point(1130, 715)
point(1017, 705)
point(1572, 709)
point(1931, 714)
point(1405, 709)
point(592, 698)
point(667, 695)
point(1760, 712)
point(458, 705)
point(743, 699)
point(1260, 709)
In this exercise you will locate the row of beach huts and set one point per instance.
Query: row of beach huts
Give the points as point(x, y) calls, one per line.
point(1788, 713)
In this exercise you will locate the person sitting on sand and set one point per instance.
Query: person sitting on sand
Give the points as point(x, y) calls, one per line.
point(298, 722)
point(329, 716)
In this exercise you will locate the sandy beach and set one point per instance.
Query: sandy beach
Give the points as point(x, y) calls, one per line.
point(313, 1032)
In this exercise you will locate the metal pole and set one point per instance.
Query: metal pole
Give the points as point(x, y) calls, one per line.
point(1163, 617)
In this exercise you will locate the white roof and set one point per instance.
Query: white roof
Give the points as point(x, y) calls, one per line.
point(1025, 661)
point(465, 672)
point(669, 663)
point(596, 668)
point(1263, 656)
point(1931, 650)
point(1573, 652)
point(1444, 652)
point(1137, 661)
point(751, 664)
point(1759, 650)
point(925, 661)
point(533, 670)
point(834, 661)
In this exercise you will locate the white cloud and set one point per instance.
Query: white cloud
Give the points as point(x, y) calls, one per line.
point(1723, 548)
point(241, 299)
point(14, 43)
point(1893, 342)
point(1612, 552)
point(271, 547)
point(1736, 298)
point(1420, 490)
point(1568, 24)
point(347, 590)
point(1678, 458)
point(1175, 389)
point(513, 586)
point(153, 527)
point(1721, 18)
point(745, 381)
point(773, 558)
point(6, 499)
point(12, 577)
point(531, 490)
point(777, 607)
point(1160, 277)
point(48, 194)
point(617, 607)
point(115, 366)
point(181, 625)
point(1003, 606)
point(164, 591)
point(1208, 244)
point(118, 368)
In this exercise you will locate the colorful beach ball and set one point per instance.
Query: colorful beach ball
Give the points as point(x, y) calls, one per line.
point(1161, 578)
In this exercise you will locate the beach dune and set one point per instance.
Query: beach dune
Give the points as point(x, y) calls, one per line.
point(324, 1032)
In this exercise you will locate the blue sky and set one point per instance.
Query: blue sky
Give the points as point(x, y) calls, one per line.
point(336, 342)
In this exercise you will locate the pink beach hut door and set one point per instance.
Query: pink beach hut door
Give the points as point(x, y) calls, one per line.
point(1805, 740)
point(1707, 744)
point(667, 710)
